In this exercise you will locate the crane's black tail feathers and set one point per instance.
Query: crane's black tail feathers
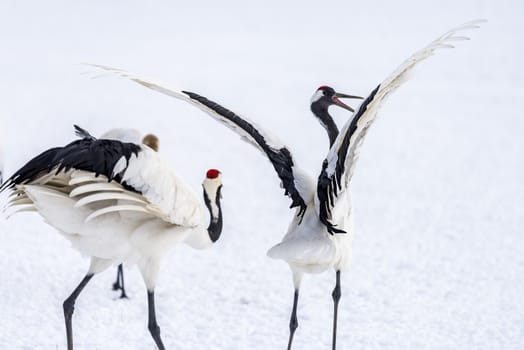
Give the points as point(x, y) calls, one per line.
point(83, 133)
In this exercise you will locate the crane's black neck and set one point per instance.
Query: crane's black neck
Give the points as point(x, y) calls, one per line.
point(215, 213)
point(320, 110)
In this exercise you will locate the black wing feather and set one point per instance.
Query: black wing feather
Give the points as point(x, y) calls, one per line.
point(88, 154)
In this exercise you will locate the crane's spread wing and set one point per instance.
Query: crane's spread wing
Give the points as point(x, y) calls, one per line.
point(337, 168)
point(117, 176)
point(277, 153)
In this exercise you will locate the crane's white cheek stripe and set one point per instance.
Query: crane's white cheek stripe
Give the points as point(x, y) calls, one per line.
point(212, 204)
point(317, 96)
point(214, 209)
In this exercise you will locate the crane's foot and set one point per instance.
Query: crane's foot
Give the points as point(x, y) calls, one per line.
point(123, 295)
point(116, 285)
point(119, 283)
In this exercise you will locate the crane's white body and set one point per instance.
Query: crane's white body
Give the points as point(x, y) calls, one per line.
point(308, 247)
point(113, 225)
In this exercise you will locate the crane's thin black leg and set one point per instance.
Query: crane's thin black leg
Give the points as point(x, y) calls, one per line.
point(122, 287)
point(151, 324)
point(116, 285)
point(69, 307)
point(293, 322)
point(119, 283)
point(336, 298)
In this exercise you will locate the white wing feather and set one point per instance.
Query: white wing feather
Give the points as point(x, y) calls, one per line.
point(109, 196)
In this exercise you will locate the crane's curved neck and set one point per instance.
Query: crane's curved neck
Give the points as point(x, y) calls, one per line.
point(321, 112)
point(212, 202)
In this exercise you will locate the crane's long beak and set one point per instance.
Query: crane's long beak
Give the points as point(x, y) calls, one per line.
point(336, 100)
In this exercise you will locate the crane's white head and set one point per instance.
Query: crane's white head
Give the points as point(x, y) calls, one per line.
point(212, 186)
point(213, 179)
point(326, 96)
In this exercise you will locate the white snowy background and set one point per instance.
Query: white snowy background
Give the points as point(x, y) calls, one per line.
point(438, 191)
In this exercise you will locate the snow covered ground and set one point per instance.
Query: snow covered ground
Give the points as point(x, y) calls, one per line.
point(438, 192)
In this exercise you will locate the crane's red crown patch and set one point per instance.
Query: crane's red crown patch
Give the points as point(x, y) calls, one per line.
point(212, 173)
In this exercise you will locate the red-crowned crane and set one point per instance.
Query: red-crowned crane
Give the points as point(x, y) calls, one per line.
point(320, 234)
point(117, 202)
